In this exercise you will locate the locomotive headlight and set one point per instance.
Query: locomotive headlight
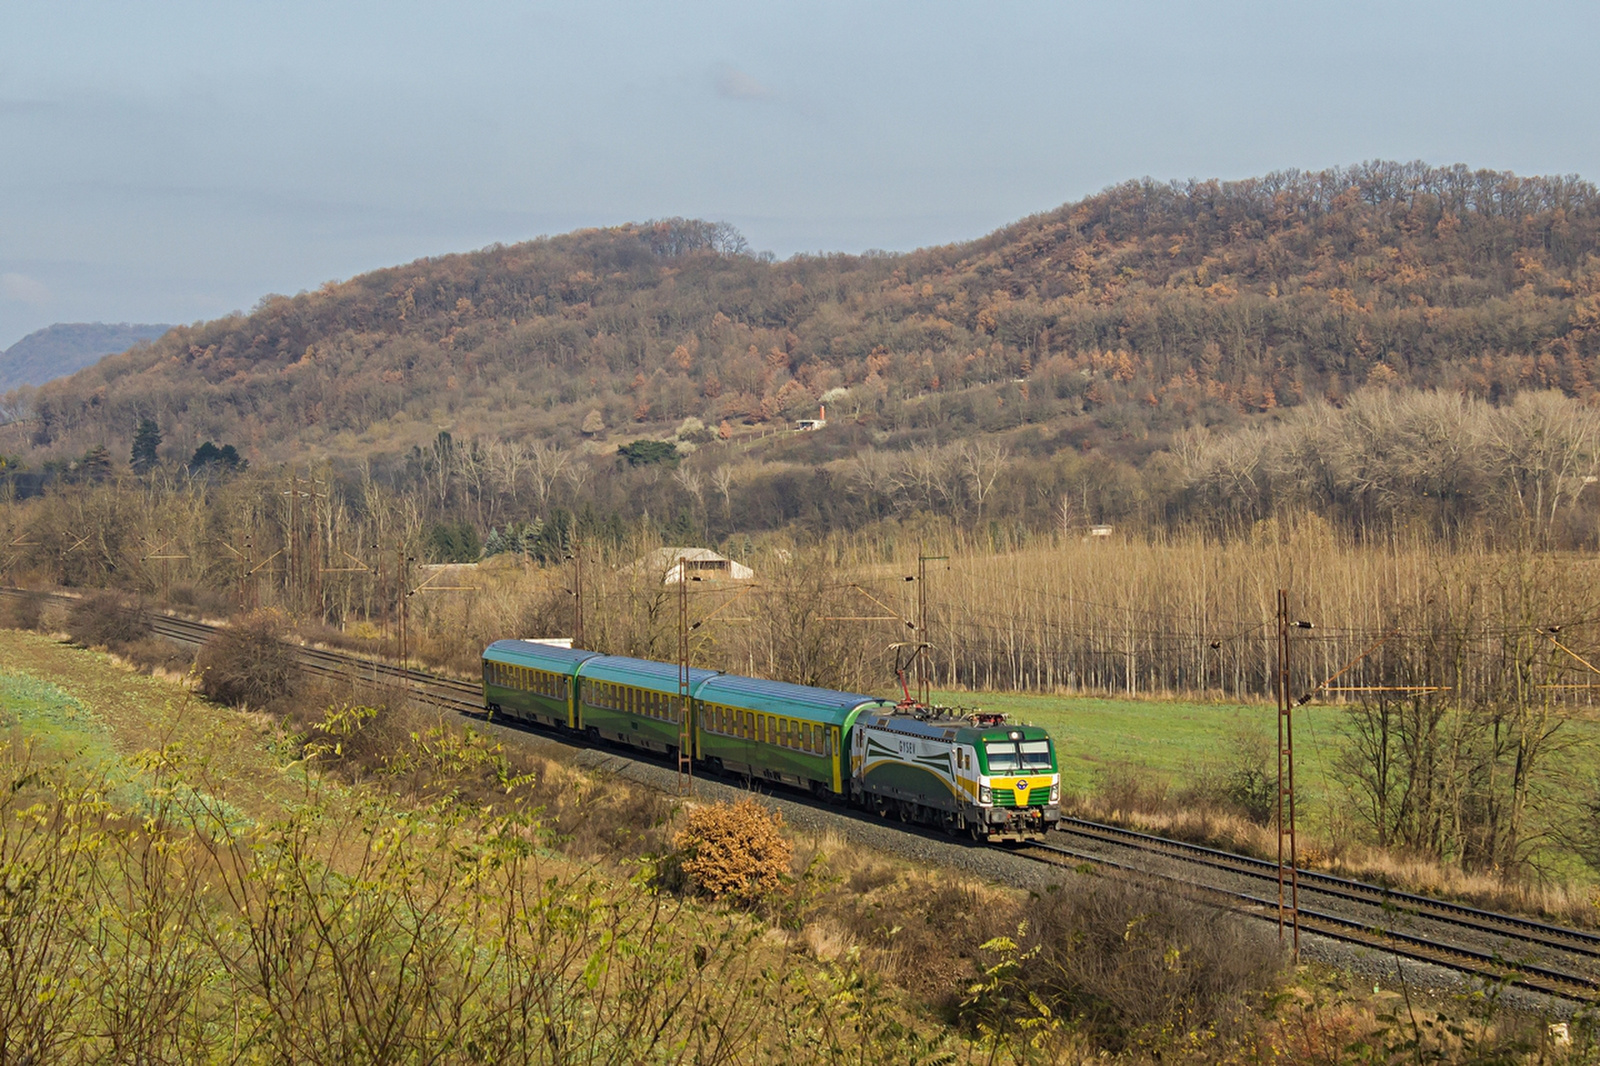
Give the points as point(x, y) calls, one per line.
point(1055, 792)
point(985, 794)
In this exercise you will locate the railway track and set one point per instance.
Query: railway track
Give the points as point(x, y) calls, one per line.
point(1566, 972)
point(1496, 947)
point(320, 662)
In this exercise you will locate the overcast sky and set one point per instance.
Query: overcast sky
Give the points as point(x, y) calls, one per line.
point(167, 162)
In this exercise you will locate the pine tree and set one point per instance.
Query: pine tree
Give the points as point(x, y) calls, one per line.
point(495, 544)
point(146, 439)
point(95, 464)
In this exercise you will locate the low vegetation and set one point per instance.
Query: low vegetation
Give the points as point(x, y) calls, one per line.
point(734, 851)
point(248, 662)
point(107, 619)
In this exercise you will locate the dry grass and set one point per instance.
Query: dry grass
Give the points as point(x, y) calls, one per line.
point(1144, 802)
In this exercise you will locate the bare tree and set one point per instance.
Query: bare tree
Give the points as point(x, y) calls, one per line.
point(549, 462)
point(982, 462)
point(722, 479)
point(691, 482)
point(926, 475)
point(1545, 449)
point(507, 459)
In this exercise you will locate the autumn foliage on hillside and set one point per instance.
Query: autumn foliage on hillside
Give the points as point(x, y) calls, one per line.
point(1145, 308)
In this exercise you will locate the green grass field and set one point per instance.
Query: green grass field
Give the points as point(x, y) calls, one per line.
point(78, 708)
point(1177, 740)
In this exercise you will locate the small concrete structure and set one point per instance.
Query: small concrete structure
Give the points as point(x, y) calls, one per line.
point(697, 563)
point(821, 420)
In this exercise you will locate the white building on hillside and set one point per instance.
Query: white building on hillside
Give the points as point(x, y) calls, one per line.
point(676, 564)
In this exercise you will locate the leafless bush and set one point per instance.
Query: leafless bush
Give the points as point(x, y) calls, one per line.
point(248, 662)
point(1122, 790)
point(21, 611)
point(1132, 957)
point(106, 619)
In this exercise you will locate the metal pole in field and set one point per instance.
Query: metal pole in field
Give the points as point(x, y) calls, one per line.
point(924, 674)
point(922, 628)
point(1286, 833)
point(401, 580)
point(577, 595)
point(685, 732)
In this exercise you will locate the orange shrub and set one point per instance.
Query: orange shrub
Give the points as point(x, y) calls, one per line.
point(734, 850)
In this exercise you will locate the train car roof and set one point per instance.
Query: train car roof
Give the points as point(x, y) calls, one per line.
point(953, 729)
point(641, 673)
point(550, 657)
point(780, 697)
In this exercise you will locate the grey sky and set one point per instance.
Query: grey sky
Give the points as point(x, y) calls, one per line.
point(175, 161)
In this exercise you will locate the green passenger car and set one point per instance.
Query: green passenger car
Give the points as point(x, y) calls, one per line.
point(634, 701)
point(532, 682)
point(779, 732)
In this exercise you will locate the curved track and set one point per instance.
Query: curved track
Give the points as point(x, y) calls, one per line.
point(1497, 947)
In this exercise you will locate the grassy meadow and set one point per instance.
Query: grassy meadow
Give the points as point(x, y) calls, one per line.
point(1149, 762)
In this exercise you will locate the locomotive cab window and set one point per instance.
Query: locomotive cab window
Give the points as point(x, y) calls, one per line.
point(1035, 754)
point(1004, 758)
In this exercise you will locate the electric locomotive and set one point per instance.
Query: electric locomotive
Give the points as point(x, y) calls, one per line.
point(960, 771)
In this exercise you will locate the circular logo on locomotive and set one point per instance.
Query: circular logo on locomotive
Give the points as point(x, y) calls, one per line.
point(1022, 786)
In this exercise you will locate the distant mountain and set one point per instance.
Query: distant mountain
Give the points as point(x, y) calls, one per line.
point(66, 347)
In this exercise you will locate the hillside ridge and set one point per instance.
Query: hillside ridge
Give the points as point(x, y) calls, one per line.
point(1125, 316)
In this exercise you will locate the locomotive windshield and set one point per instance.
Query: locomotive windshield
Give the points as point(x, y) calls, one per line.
point(1010, 756)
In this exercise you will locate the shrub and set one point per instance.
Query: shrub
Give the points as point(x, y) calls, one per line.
point(22, 611)
point(248, 662)
point(1129, 958)
point(106, 620)
point(649, 452)
point(735, 851)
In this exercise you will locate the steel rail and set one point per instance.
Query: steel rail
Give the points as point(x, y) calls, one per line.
point(1561, 938)
point(1451, 956)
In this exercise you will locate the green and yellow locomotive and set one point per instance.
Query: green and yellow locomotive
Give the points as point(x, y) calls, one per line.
point(970, 773)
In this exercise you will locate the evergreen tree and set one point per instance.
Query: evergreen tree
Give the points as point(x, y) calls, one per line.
point(495, 544)
point(146, 439)
point(95, 464)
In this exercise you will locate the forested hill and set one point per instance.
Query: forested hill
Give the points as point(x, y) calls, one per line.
point(1124, 316)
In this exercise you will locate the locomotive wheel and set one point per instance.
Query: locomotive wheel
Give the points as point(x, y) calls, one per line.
point(906, 811)
point(975, 831)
